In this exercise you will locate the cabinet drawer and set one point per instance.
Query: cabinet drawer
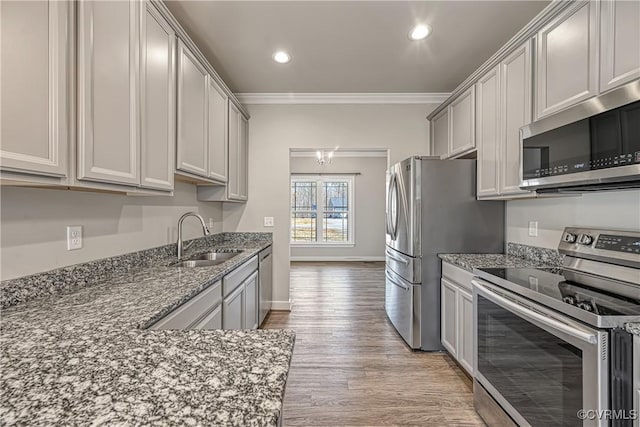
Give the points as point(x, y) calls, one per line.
point(458, 275)
point(239, 275)
point(188, 313)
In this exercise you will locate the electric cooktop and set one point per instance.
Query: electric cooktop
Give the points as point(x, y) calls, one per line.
point(600, 302)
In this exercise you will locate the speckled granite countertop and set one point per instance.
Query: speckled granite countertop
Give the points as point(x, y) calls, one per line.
point(633, 328)
point(471, 261)
point(84, 357)
point(517, 256)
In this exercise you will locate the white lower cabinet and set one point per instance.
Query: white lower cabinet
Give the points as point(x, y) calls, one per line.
point(232, 310)
point(457, 315)
point(240, 306)
point(465, 329)
point(251, 302)
point(449, 320)
point(211, 321)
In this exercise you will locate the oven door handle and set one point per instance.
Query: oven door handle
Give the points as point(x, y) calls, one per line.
point(529, 313)
point(396, 258)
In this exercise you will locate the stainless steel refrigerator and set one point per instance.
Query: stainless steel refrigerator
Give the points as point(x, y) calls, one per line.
point(431, 208)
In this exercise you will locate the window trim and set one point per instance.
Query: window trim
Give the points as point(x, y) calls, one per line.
point(319, 179)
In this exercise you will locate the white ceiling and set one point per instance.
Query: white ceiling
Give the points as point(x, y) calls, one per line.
point(350, 46)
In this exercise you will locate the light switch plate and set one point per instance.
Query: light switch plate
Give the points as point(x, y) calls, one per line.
point(74, 237)
point(533, 228)
point(268, 221)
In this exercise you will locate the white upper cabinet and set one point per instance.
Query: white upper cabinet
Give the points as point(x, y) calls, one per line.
point(516, 91)
point(243, 159)
point(158, 88)
point(503, 106)
point(567, 59)
point(233, 191)
point(619, 43)
point(34, 77)
point(233, 183)
point(462, 134)
point(193, 87)
point(108, 116)
point(440, 134)
point(218, 132)
point(487, 132)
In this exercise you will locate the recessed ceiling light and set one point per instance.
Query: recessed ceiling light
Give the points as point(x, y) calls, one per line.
point(281, 57)
point(420, 32)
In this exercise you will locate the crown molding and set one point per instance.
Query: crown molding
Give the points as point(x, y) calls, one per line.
point(342, 98)
point(529, 31)
point(373, 152)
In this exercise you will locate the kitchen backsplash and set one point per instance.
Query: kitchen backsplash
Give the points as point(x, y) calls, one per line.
point(545, 256)
point(15, 291)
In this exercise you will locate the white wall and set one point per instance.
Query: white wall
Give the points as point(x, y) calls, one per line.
point(618, 210)
point(33, 223)
point(369, 205)
point(274, 129)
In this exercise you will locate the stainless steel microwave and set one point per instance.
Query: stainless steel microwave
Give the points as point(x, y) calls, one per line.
point(592, 146)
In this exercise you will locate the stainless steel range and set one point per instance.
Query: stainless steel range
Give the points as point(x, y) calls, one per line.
point(550, 348)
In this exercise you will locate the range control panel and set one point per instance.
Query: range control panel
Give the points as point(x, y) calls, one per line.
point(612, 246)
point(612, 242)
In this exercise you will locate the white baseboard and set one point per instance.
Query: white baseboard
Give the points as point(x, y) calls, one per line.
point(281, 305)
point(337, 258)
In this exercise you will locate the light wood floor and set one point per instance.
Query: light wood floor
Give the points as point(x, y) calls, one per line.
point(350, 367)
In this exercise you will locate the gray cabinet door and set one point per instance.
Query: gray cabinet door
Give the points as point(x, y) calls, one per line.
point(34, 52)
point(108, 118)
point(449, 316)
point(211, 321)
point(243, 159)
point(462, 136)
point(265, 293)
point(251, 302)
point(440, 134)
point(567, 59)
point(516, 112)
point(233, 185)
point(232, 316)
point(465, 330)
point(218, 132)
point(619, 43)
point(193, 83)
point(488, 132)
point(157, 94)
point(187, 314)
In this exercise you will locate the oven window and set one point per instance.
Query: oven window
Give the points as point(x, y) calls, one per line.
point(537, 373)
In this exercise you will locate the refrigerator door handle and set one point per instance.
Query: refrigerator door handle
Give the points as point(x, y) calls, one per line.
point(398, 284)
point(393, 206)
point(395, 258)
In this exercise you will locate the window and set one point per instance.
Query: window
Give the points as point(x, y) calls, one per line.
point(322, 210)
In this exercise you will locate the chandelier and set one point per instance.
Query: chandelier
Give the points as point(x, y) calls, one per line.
point(324, 158)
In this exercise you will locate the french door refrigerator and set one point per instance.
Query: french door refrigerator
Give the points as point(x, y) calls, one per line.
point(431, 208)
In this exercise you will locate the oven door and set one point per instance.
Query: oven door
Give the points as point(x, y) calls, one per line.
point(541, 367)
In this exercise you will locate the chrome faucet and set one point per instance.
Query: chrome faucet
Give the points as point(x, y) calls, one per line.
point(205, 230)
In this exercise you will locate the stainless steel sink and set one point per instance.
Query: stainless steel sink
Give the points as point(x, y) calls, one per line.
point(214, 256)
point(208, 259)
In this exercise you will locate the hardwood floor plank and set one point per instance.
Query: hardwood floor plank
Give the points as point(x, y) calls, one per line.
point(351, 368)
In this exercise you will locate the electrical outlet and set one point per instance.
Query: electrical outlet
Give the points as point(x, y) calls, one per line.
point(533, 228)
point(268, 221)
point(210, 224)
point(74, 237)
